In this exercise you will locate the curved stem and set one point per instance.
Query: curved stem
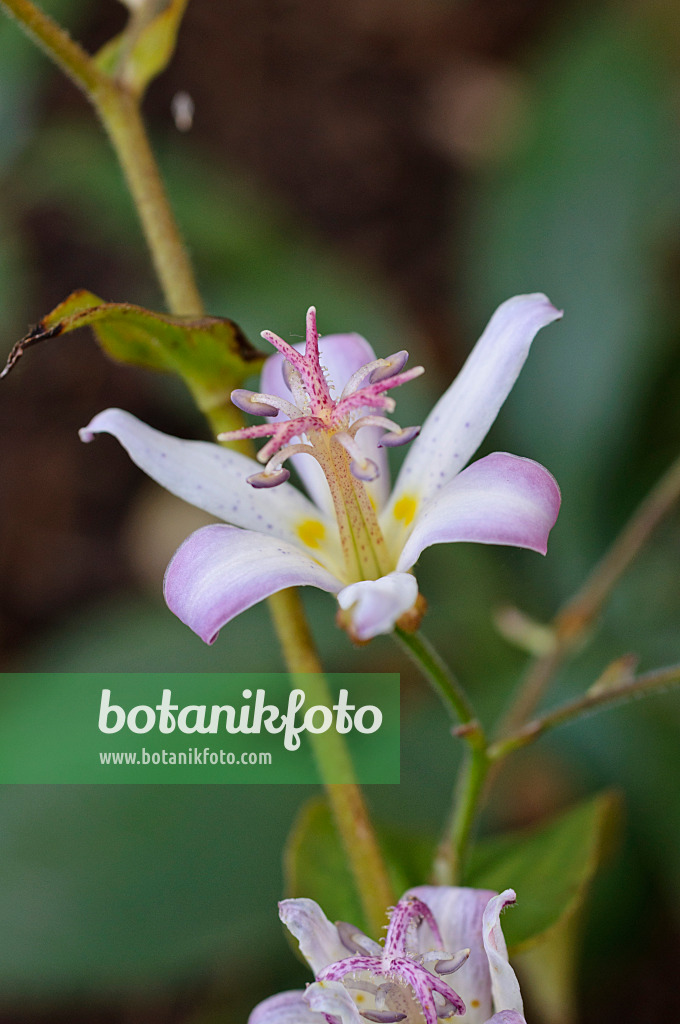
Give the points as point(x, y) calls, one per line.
point(439, 675)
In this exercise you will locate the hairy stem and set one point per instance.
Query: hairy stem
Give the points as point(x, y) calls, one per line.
point(439, 675)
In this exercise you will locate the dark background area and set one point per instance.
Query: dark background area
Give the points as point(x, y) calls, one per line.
point(405, 166)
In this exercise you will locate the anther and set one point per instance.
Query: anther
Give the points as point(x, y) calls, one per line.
point(393, 439)
point(366, 470)
point(249, 401)
point(351, 938)
point(269, 478)
point(445, 1007)
point(454, 964)
point(392, 365)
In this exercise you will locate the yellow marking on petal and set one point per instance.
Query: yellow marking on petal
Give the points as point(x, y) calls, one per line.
point(310, 532)
point(474, 1003)
point(405, 509)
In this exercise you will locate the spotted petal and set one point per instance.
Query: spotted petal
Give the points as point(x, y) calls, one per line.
point(463, 415)
point(214, 479)
point(285, 1008)
point(459, 913)
point(377, 604)
point(341, 356)
point(500, 499)
point(220, 571)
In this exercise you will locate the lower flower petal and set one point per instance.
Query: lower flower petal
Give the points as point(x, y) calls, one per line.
point(220, 571)
point(375, 605)
point(459, 913)
point(285, 1008)
point(500, 499)
point(504, 984)
point(319, 941)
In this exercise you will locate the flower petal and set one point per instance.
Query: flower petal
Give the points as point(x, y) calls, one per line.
point(341, 356)
point(377, 604)
point(319, 941)
point(461, 418)
point(220, 571)
point(213, 478)
point(504, 984)
point(332, 999)
point(507, 1017)
point(500, 499)
point(285, 1008)
point(459, 913)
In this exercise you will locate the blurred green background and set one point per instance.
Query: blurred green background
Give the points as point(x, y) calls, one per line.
point(405, 165)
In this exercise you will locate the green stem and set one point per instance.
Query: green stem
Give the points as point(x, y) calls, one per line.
point(440, 677)
point(598, 698)
point(579, 613)
point(120, 114)
point(449, 862)
point(451, 857)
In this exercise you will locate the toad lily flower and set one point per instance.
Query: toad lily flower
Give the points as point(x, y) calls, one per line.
point(434, 933)
point(327, 405)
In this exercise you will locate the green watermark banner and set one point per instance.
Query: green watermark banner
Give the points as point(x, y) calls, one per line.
point(191, 728)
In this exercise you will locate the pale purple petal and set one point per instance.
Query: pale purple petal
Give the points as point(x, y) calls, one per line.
point(504, 984)
point(500, 499)
point(332, 999)
point(377, 604)
point(220, 571)
point(341, 355)
point(213, 478)
point(459, 914)
point(461, 418)
point(507, 1017)
point(319, 941)
point(285, 1008)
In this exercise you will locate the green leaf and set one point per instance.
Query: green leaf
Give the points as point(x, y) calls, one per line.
point(550, 866)
point(210, 354)
point(145, 47)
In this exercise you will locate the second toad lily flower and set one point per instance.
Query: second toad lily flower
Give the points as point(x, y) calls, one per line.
point(444, 956)
point(328, 407)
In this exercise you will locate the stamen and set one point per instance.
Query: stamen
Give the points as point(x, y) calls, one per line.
point(390, 366)
point(351, 939)
point(401, 436)
point(269, 478)
point(362, 468)
point(454, 964)
point(262, 405)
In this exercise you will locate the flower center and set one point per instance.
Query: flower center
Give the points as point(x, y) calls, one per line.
point(315, 423)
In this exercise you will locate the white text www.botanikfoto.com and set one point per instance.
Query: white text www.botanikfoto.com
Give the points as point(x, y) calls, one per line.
point(193, 756)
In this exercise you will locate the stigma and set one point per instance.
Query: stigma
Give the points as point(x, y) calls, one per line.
point(318, 424)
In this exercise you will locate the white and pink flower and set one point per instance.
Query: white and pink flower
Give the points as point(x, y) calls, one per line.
point(328, 409)
point(435, 932)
